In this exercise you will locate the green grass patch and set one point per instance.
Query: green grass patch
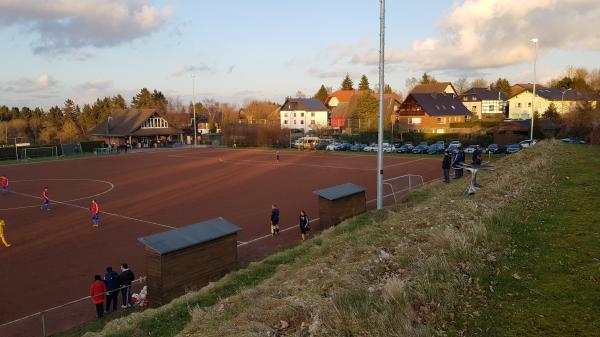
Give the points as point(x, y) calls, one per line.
point(547, 281)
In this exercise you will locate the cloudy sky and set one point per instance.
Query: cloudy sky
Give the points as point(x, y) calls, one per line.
point(238, 49)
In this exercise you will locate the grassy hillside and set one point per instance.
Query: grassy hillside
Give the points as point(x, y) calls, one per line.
point(443, 266)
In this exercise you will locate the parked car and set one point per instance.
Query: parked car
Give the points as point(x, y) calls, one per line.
point(420, 149)
point(406, 148)
point(388, 148)
point(471, 148)
point(357, 147)
point(436, 148)
point(370, 148)
point(344, 147)
point(321, 145)
point(332, 146)
point(424, 143)
point(570, 140)
point(512, 148)
point(455, 143)
point(527, 143)
point(495, 148)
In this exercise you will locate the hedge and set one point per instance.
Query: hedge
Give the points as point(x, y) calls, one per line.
point(8, 153)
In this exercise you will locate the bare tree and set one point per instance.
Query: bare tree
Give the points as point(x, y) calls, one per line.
point(479, 83)
point(410, 84)
point(461, 85)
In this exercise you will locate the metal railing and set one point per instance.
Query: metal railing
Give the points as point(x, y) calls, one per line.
point(61, 317)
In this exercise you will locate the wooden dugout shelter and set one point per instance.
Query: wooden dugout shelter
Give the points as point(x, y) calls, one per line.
point(189, 257)
point(340, 202)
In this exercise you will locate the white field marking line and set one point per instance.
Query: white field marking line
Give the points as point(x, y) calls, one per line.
point(270, 235)
point(274, 162)
point(404, 163)
point(112, 186)
point(103, 212)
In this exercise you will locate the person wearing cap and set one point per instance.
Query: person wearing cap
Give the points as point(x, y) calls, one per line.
point(446, 163)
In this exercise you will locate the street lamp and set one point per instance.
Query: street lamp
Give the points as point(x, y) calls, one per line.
point(535, 48)
point(562, 101)
point(194, 109)
point(381, 97)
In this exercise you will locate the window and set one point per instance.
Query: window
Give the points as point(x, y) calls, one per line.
point(312, 114)
point(519, 105)
point(491, 108)
point(465, 98)
point(294, 114)
point(301, 122)
point(285, 114)
point(312, 121)
point(529, 105)
point(155, 122)
point(285, 121)
point(414, 120)
point(474, 108)
point(302, 114)
point(473, 98)
point(437, 107)
point(441, 120)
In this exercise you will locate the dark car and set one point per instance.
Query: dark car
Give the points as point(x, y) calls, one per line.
point(512, 148)
point(420, 149)
point(406, 148)
point(321, 145)
point(344, 147)
point(436, 148)
point(495, 148)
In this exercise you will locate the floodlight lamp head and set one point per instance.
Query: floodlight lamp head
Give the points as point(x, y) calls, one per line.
point(535, 40)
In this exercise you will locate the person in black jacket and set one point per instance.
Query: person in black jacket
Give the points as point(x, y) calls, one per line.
point(304, 225)
point(111, 278)
point(274, 220)
point(125, 279)
point(446, 163)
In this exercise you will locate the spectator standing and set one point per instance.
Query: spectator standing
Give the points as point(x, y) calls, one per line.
point(457, 163)
point(304, 225)
point(126, 278)
point(477, 156)
point(446, 166)
point(111, 278)
point(274, 220)
point(97, 291)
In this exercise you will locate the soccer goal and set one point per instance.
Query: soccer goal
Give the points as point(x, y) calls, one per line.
point(40, 152)
point(403, 184)
point(71, 149)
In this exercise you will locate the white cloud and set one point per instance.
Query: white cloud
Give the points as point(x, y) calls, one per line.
point(480, 34)
point(99, 85)
point(66, 25)
point(330, 73)
point(191, 69)
point(28, 85)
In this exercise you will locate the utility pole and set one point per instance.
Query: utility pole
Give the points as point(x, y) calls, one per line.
point(194, 109)
point(535, 47)
point(381, 89)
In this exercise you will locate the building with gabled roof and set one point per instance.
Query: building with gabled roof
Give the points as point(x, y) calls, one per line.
point(564, 100)
point(304, 114)
point(438, 87)
point(431, 112)
point(136, 126)
point(485, 103)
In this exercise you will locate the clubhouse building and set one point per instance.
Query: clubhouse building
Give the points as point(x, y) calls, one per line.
point(138, 127)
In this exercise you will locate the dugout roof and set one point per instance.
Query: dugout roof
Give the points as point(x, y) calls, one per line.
point(339, 191)
point(188, 236)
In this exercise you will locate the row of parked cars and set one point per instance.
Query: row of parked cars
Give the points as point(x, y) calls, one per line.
point(421, 148)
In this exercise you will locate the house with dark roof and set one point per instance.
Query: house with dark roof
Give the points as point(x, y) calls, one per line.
point(564, 100)
point(141, 127)
point(439, 87)
point(485, 103)
point(431, 112)
point(304, 114)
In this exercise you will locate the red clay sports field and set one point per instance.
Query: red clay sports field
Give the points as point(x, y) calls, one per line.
point(55, 254)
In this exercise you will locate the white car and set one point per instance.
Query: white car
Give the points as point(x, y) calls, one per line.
point(471, 148)
point(388, 148)
point(332, 146)
point(370, 148)
point(527, 143)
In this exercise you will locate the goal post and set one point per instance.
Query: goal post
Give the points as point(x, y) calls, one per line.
point(401, 185)
point(71, 149)
point(40, 152)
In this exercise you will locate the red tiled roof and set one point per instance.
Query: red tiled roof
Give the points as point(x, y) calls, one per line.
point(343, 96)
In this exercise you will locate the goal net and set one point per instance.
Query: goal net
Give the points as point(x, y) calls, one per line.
point(399, 186)
point(40, 152)
point(70, 149)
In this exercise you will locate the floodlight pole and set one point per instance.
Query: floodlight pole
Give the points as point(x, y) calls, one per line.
point(562, 101)
point(535, 48)
point(381, 89)
point(194, 109)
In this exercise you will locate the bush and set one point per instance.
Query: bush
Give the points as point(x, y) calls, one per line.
point(90, 146)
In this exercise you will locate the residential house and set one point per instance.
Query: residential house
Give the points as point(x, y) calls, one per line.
point(305, 114)
point(520, 104)
point(141, 127)
point(343, 102)
point(439, 87)
point(485, 103)
point(431, 112)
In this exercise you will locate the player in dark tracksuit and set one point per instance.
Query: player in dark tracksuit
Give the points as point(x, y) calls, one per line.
point(446, 163)
point(304, 225)
point(274, 220)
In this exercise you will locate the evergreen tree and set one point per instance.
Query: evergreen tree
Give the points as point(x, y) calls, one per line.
point(347, 83)
point(143, 100)
point(55, 116)
point(538, 132)
point(366, 110)
point(70, 111)
point(364, 83)
point(427, 79)
point(160, 101)
point(501, 85)
point(551, 112)
point(118, 102)
point(322, 94)
point(387, 89)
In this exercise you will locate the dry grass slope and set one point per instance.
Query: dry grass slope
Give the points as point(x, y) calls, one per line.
point(385, 273)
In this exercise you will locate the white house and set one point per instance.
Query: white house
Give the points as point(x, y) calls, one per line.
point(520, 104)
point(484, 102)
point(304, 114)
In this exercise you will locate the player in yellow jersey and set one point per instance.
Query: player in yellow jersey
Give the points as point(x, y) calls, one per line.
point(2, 224)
